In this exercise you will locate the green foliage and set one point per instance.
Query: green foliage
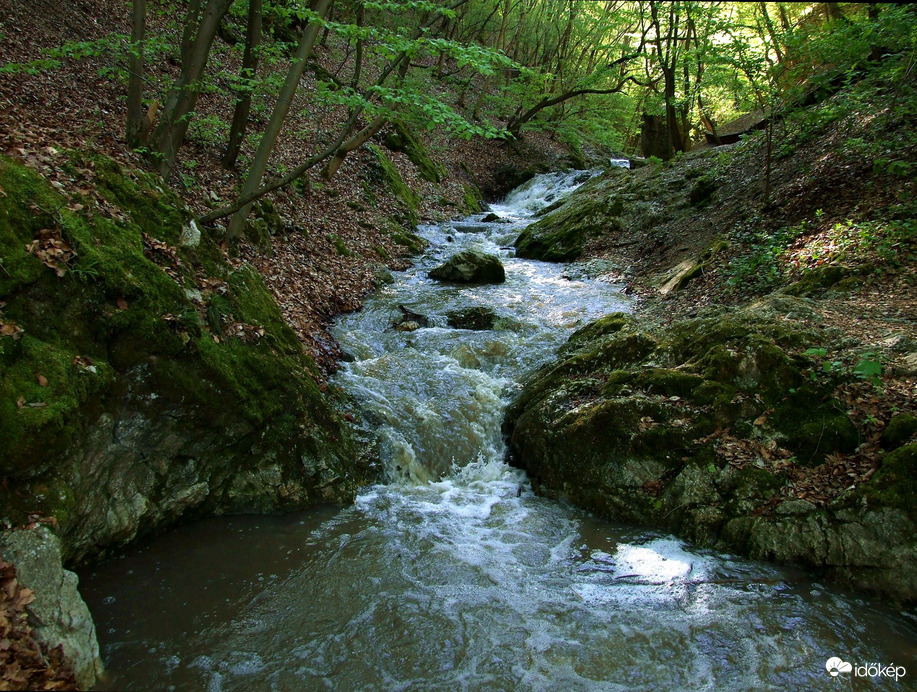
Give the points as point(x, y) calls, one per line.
point(761, 266)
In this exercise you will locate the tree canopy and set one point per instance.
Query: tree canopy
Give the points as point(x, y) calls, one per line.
point(646, 77)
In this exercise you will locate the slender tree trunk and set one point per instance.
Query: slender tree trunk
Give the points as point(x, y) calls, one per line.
point(192, 20)
point(768, 162)
point(833, 11)
point(281, 108)
point(326, 30)
point(441, 61)
point(352, 144)
point(137, 124)
point(182, 98)
point(770, 30)
point(358, 58)
point(485, 87)
point(244, 97)
point(784, 19)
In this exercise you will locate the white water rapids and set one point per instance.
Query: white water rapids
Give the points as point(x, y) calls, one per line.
point(454, 575)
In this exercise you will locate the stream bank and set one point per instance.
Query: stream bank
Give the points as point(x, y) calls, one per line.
point(762, 398)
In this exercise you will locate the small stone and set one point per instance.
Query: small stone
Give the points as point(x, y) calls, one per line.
point(190, 235)
point(194, 295)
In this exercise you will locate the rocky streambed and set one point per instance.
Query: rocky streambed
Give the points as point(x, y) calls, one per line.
point(458, 571)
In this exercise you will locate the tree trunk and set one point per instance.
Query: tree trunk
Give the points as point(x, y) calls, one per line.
point(770, 30)
point(352, 144)
point(137, 127)
point(654, 137)
point(182, 98)
point(358, 58)
point(244, 101)
point(485, 87)
point(190, 29)
point(279, 115)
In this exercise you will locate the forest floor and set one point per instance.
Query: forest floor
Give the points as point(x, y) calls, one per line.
point(45, 113)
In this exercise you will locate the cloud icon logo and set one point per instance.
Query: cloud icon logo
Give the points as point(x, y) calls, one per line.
point(836, 666)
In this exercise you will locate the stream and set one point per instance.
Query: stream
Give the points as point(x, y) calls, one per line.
point(454, 575)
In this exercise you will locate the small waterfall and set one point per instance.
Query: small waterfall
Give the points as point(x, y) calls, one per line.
point(439, 393)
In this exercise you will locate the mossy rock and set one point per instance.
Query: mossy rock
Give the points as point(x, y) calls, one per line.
point(623, 405)
point(118, 348)
point(895, 483)
point(901, 428)
point(702, 191)
point(400, 138)
point(604, 326)
point(816, 281)
point(472, 200)
point(470, 267)
point(478, 318)
point(561, 235)
point(812, 434)
point(404, 237)
point(388, 175)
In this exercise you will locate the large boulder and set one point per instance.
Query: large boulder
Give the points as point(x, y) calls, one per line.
point(705, 428)
point(471, 267)
point(147, 379)
point(565, 227)
point(58, 615)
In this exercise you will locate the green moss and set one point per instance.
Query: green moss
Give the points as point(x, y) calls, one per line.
point(895, 483)
point(669, 382)
point(612, 353)
point(816, 281)
point(38, 419)
point(409, 240)
point(148, 202)
point(19, 223)
point(120, 323)
point(561, 235)
point(702, 191)
point(899, 430)
point(751, 487)
point(400, 138)
point(472, 200)
point(812, 428)
point(609, 324)
point(388, 175)
point(254, 304)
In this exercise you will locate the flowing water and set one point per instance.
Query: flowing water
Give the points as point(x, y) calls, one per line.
point(454, 575)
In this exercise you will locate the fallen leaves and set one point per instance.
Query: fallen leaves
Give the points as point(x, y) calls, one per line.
point(26, 664)
point(52, 250)
point(10, 329)
point(42, 380)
